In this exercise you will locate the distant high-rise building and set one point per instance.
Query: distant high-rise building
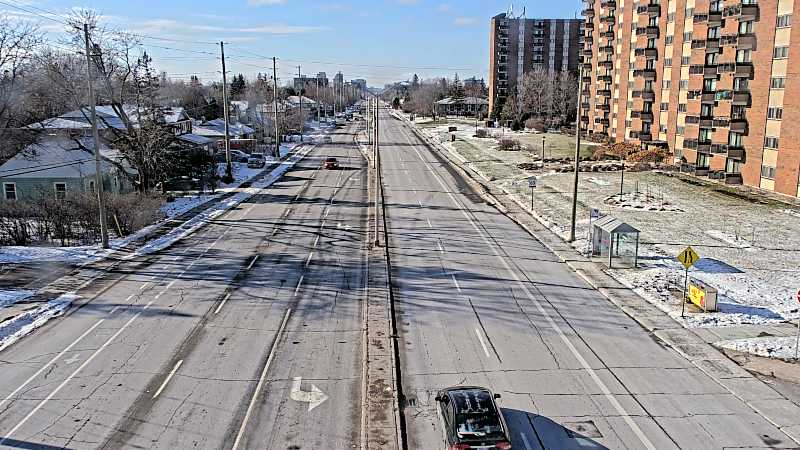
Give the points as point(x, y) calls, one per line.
point(338, 79)
point(711, 81)
point(519, 45)
point(360, 84)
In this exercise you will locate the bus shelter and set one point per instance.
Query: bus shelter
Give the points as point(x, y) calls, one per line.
point(614, 241)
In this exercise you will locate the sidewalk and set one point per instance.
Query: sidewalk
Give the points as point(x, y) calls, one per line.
point(762, 398)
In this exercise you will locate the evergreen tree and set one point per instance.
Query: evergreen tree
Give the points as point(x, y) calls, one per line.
point(457, 92)
point(238, 86)
point(415, 82)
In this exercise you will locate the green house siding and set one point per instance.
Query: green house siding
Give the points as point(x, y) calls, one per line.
point(32, 188)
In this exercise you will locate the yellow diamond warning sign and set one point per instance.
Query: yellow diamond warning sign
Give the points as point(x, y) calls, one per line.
point(688, 257)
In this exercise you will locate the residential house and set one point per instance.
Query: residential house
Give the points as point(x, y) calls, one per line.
point(60, 165)
point(468, 106)
point(240, 135)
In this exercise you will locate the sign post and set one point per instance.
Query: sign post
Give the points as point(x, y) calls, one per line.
point(797, 341)
point(532, 185)
point(594, 214)
point(687, 257)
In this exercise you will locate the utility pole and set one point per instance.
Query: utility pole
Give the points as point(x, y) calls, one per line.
point(300, 94)
point(319, 104)
point(98, 176)
point(228, 166)
point(275, 101)
point(577, 153)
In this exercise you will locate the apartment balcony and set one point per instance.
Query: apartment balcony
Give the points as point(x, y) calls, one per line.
point(746, 42)
point(608, 3)
point(649, 31)
point(706, 122)
point(585, 119)
point(588, 40)
point(654, 10)
point(586, 79)
point(704, 147)
point(749, 11)
point(609, 19)
point(649, 53)
point(708, 97)
point(588, 25)
point(744, 70)
point(605, 78)
point(647, 74)
point(738, 126)
point(714, 18)
point(644, 116)
point(585, 106)
point(721, 122)
point(712, 44)
point(606, 64)
point(710, 71)
point(607, 34)
point(698, 43)
point(735, 152)
point(698, 69)
point(648, 96)
point(587, 52)
point(602, 120)
point(644, 136)
point(726, 68)
point(588, 12)
point(692, 120)
point(733, 178)
point(605, 107)
point(607, 49)
point(604, 92)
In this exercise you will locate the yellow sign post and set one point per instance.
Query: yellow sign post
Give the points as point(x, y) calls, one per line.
point(687, 257)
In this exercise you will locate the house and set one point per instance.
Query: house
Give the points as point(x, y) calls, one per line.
point(468, 106)
point(214, 130)
point(59, 165)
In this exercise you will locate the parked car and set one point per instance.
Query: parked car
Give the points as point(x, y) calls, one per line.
point(183, 183)
point(326, 140)
point(331, 163)
point(256, 161)
point(236, 156)
point(470, 419)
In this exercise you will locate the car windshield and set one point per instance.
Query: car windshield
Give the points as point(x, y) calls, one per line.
point(476, 415)
point(331, 160)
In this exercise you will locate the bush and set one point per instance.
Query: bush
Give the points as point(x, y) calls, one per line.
point(481, 133)
point(536, 125)
point(133, 211)
point(508, 144)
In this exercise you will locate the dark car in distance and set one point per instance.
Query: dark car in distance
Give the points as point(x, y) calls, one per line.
point(331, 163)
point(470, 419)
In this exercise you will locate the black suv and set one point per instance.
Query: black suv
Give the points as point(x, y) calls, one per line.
point(471, 420)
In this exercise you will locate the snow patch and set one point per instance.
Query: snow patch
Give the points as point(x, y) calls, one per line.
point(641, 201)
point(598, 181)
point(730, 238)
point(770, 347)
point(9, 297)
point(23, 324)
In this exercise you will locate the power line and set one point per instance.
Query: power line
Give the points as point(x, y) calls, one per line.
point(36, 13)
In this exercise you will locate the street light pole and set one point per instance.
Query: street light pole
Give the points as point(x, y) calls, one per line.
point(275, 101)
point(577, 154)
point(228, 164)
point(300, 94)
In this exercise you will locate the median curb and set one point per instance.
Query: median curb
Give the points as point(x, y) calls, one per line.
point(756, 394)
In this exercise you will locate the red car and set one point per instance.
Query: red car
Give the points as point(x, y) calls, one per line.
point(331, 163)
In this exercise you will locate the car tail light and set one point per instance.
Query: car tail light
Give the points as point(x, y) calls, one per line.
point(460, 447)
point(503, 445)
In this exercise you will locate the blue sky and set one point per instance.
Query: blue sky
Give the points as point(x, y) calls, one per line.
point(360, 38)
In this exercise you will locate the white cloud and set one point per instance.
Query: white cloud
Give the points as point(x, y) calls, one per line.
point(465, 21)
point(265, 2)
point(176, 26)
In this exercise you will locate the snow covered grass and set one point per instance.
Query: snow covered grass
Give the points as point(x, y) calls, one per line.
point(749, 251)
point(11, 296)
point(770, 347)
point(23, 324)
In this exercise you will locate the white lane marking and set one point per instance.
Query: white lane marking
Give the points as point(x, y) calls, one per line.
point(263, 377)
point(483, 344)
point(299, 283)
point(308, 260)
point(606, 392)
point(74, 359)
point(316, 241)
point(314, 397)
point(73, 374)
point(169, 377)
point(439, 244)
point(177, 257)
point(163, 291)
point(113, 310)
point(145, 285)
point(250, 266)
point(429, 223)
point(455, 282)
point(420, 203)
point(525, 441)
point(222, 303)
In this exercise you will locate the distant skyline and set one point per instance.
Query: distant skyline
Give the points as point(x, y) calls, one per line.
point(382, 41)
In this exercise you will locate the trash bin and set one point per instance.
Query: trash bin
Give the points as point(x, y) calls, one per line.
point(452, 138)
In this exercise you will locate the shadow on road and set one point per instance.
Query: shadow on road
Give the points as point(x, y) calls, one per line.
point(531, 431)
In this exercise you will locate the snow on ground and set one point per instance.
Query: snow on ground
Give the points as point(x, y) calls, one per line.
point(770, 347)
point(11, 296)
point(750, 251)
point(13, 330)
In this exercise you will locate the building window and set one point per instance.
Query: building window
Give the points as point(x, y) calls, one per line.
point(671, 17)
point(775, 113)
point(628, 123)
point(713, 33)
point(680, 131)
point(706, 110)
point(771, 142)
point(61, 190)
point(629, 104)
point(689, 13)
point(741, 84)
point(743, 56)
point(10, 190)
point(682, 107)
point(768, 172)
point(668, 40)
point(784, 21)
point(780, 53)
point(683, 85)
point(664, 106)
point(687, 36)
point(777, 83)
point(746, 27)
point(684, 60)
point(668, 62)
point(662, 128)
point(711, 59)
point(665, 84)
point(734, 140)
point(710, 84)
point(705, 135)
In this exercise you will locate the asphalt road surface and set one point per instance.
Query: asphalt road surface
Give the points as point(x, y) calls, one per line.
point(480, 302)
point(249, 330)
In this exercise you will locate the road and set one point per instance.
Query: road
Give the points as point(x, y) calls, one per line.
point(249, 330)
point(481, 302)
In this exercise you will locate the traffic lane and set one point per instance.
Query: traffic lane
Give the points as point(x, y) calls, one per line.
point(261, 300)
point(153, 311)
point(708, 388)
point(313, 391)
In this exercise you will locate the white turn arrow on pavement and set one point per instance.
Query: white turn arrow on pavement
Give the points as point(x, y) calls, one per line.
point(314, 397)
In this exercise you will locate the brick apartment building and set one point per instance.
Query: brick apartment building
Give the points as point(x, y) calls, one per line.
point(712, 80)
point(518, 45)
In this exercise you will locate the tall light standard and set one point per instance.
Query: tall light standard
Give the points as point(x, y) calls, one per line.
point(577, 153)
